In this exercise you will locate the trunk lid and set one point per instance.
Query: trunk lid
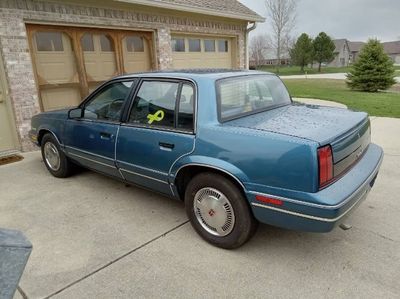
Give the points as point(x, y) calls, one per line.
point(348, 132)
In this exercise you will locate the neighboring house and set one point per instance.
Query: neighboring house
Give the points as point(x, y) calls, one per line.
point(393, 50)
point(355, 48)
point(53, 53)
point(342, 53)
point(346, 52)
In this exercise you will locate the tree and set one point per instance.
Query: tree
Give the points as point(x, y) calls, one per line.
point(323, 49)
point(302, 52)
point(373, 69)
point(282, 14)
point(258, 46)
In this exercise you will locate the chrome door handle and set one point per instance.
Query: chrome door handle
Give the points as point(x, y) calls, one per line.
point(105, 135)
point(165, 145)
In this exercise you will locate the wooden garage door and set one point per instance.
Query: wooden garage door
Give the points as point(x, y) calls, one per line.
point(202, 52)
point(71, 62)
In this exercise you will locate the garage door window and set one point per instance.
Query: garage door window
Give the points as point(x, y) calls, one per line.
point(134, 44)
point(194, 45)
point(178, 45)
point(209, 45)
point(106, 44)
point(87, 43)
point(49, 41)
point(222, 45)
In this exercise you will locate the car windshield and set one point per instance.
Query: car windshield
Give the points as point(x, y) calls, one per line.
point(244, 95)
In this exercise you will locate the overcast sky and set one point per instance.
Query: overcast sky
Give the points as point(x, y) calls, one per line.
point(356, 20)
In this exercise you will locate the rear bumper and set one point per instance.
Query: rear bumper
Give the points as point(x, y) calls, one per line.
point(323, 210)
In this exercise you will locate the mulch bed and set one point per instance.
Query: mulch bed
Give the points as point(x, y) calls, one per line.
point(10, 159)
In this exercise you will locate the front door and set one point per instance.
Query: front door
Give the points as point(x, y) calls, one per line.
point(158, 131)
point(90, 140)
point(7, 131)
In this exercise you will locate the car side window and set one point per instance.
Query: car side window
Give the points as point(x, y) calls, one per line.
point(109, 102)
point(186, 107)
point(155, 104)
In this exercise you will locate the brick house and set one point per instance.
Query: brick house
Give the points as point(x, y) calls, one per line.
point(342, 53)
point(53, 52)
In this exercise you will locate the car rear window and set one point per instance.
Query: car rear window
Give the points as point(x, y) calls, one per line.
point(245, 95)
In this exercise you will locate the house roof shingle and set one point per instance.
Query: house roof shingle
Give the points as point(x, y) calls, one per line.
point(356, 46)
point(392, 47)
point(224, 8)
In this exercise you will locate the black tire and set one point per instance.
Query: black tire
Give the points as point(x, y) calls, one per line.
point(244, 224)
point(65, 166)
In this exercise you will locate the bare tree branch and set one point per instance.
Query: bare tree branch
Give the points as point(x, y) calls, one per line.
point(282, 14)
point(258, 47)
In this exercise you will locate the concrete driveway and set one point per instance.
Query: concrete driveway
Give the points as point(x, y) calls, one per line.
point(95, 238)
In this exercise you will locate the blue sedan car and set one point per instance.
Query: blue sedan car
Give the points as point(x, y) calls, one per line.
point(231, 144)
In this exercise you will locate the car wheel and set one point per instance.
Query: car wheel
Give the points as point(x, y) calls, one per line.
point(218, 211)
point(54, 158)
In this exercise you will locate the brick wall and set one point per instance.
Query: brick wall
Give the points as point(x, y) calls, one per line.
point(17, 61)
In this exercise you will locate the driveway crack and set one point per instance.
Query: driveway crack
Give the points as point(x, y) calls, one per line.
point(115, 260)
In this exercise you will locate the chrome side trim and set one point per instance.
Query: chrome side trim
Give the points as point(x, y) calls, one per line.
point(88, 153)
point(367, 181)
point(145, 176)
point(310, 216)
point(142, 167)
point(91, 160)
point(213, 167)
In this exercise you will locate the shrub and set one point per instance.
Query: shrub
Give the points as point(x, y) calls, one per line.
point(373, 69)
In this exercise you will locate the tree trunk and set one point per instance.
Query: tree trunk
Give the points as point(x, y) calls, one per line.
point(319, 67)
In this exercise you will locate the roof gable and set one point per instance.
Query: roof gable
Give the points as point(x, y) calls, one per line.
point(223, 8)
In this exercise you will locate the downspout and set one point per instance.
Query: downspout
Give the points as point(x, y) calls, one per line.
point(254, 26)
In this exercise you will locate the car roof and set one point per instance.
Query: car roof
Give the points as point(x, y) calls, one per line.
point(195, 74)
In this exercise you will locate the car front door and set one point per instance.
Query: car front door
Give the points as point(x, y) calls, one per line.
point(159, 129)
point(90, 140)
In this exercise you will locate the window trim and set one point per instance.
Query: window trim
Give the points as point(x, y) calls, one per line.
point(127, 99)
point(218, 99)
point(180, 81)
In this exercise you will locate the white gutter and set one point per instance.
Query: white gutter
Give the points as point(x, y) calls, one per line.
point(254, 26)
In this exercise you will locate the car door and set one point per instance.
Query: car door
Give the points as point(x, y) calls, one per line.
point(159, 129)
point(90, 140)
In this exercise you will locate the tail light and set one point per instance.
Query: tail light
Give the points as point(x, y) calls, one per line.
point(325, 162)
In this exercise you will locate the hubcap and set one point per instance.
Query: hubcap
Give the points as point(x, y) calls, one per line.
point(52, 156)
point(214, 211)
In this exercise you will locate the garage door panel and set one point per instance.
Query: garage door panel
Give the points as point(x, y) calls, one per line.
point(136, 54)
point(60, 97)
point(216, 52)
point(65, 77)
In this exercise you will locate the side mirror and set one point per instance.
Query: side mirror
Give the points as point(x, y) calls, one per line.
point(75, 113)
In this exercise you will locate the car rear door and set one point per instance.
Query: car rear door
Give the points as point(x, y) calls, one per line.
point(159, 129)
point(90, 140)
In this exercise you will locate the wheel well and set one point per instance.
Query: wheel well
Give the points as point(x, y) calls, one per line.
point(41, 134)
point(187, 173)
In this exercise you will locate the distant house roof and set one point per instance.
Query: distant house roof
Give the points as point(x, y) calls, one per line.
point(392, 47)
point(355, 46)
point(222, 8)
point(339, 43)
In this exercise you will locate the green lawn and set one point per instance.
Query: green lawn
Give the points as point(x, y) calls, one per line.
point(376, 104)
point(295, 70)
